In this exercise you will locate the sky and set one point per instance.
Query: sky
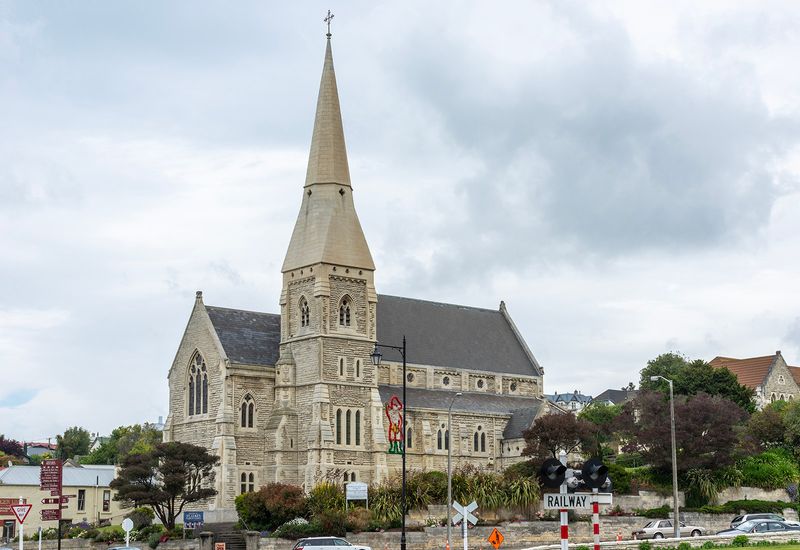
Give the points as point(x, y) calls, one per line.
point(625, 175)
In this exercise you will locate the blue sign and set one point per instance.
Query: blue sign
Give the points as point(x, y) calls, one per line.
point(192, 519)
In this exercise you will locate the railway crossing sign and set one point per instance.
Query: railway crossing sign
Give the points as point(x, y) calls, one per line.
point(496, 538)
point(465, 512)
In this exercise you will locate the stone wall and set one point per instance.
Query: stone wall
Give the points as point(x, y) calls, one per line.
point(83, 544)
point(750, 493)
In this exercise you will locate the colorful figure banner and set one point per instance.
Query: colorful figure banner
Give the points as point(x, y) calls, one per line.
point(394, 412)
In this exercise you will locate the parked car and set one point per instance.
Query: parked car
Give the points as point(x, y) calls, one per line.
point(327, 543)
point(735, 522)
point(760, 526)
point(660, 528)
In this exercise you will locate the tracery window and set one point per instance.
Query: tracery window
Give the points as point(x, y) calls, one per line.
point(247, 482)
point(198, 386)
point(305, 312)
point(344, 312)
point(479, 440)
point(248, 410)
point(348, 427)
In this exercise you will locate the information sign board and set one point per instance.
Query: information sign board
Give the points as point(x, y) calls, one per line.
point(51, 514)
point(571, 501)
point(355, 490)
point(7, 503)
point(192, 519)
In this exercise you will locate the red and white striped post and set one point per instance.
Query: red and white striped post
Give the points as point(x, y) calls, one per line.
point(596, 519)
point(563, 512)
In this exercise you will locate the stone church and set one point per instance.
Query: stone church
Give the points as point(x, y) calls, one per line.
point(295, 396)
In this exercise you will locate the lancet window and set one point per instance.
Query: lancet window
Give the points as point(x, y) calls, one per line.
point(248, 410)
point(344, 312)
point(198, 386)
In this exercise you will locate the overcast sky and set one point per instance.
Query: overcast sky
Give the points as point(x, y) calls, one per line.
point(624, 174)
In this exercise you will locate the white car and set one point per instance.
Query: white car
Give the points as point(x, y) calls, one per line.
point(326, 543)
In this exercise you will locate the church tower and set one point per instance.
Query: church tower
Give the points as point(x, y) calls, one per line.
point(327, 407)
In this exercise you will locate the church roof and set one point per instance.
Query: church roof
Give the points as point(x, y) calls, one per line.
point(521, 409)
point(453, 336)
point(247, 337)
point(616, 396)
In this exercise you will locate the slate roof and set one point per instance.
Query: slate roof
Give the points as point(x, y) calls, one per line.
point(795, 374)
point(437, 334)
point(449, 335)
point(616, 396)
point(568, 397)
point(247, 337)
point(750, 372)
point(85, 476)
point(521, 409)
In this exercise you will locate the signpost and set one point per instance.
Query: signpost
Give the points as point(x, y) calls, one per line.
point(496, 538)
point(127, 525)
point(51, 479)
point(21, 512)
point(572, 501)
point(465, 516)
point(355, 490)
point(192, 519)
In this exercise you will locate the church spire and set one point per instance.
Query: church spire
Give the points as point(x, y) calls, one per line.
point(327, 228)
point(327, 162)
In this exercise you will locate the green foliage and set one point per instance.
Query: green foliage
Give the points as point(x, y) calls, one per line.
point(75, 441)
point(527, 468)
point(702, 486)
point(552, 433)
point(332, 522)
point(601, 417)
point(655, 513)
point(153, 540)
point(773, 469)
point(325, 496)
point(167, 479)
point(740, 540)
point(271, 506)
point(684, 546)
point(112, 533)
point(629, 460)
point(358, 519)
point(424, 488)
point(693, 377)
point(11, 447)
point(620, 478)
point(385, 502)
point(748, 506)
point(645, 546)
point(521, 492)
point(708, 544)
point(141, 516)
point(298, 529)
point(125, 440)
point(582, 547)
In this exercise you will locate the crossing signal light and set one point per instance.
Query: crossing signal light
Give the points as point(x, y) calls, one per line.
point(594, 473)
point(552, 473)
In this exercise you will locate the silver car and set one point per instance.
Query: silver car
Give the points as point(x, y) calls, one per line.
point(326, 543)
point(760, 526)
point(660, 528)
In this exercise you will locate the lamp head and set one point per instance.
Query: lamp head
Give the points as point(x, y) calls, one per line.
point(654, 378)
point(376, 356)
point(458, 394)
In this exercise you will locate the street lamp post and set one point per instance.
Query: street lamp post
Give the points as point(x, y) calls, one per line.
point(449, 468)
point(676, 524)
point(376, 360)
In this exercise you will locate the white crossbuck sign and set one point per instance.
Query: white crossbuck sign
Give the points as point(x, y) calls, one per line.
point(465, 514)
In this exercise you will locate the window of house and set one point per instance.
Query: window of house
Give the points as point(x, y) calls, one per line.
point(358, 428)
point(781, 380)
point(248, 412)
point(251, 482)
point(439, 445)
point(409, 439)
point(479, 440)
point(483, 442)
point(338, 426)
point(243, 483)
point(344, 312)
point(305, 312)
point(106, 501)
point(347, 427)
point(198, 386)
point(81, 500)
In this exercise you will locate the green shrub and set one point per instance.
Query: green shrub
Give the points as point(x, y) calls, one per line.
point(655, 513)
point(528, 468)
point(385, 503)
point(325, 496)
point(332, 522)
point(773, 469)
point(684, 546)
point(620, 478)
point(153, 539)
point(271, 506)
point(740, 540)
point(520, 492)
point(298, 528)
point(358, 520)
point(708, 544)
point(645, 546)
point(582, 547)
point(73, 533)
point(629, 460)
point(141, 516)
point(748, 506)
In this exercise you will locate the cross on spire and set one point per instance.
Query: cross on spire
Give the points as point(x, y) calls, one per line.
point(328, 20)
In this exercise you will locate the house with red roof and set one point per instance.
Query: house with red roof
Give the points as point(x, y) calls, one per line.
point(769, 375)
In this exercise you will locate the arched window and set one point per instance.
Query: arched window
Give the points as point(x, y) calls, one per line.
point(247, 482)
point(252, 482)
point(772, 398)
point(409, 439)
point(198, 386)
point(358, 368)
point(446, 439)
point(248, 410)
point(439, 440)
point(358, 428)
point(344, 312)
point(338, 426)
point(483, 442)
point(475, 442)
point(305, 312)
point(243, 485)
point(347, 427)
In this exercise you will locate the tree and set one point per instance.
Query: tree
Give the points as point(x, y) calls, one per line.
point(693, 377)
point(167, 478)
point(553, 433)
point(123, 441)
point(271, 506)
point(705, 430)
point(11, 447)
point(74, 442)
point(766, 429)
point(601, 418)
